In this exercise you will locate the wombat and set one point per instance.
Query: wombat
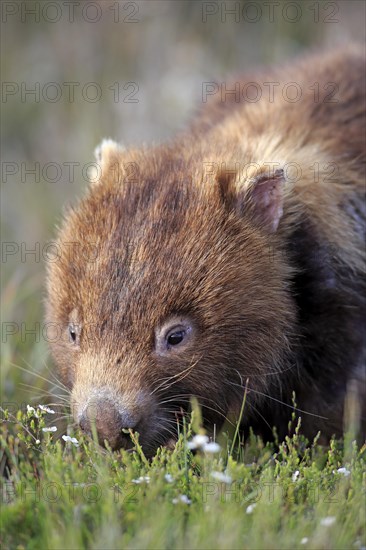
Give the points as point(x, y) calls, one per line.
point(228, 261)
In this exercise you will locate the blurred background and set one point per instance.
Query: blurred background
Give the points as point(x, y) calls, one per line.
point(76, 72)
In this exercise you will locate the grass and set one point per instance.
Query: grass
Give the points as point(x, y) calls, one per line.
point(59, 494)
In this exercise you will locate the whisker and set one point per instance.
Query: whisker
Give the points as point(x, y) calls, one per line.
point(281, 402)
point(259, 414)
point(187, 398)
point(184, 398)
point(42, 393)
point(63, 417)
point(57, 380)
point(180, 376)
point(37, 375)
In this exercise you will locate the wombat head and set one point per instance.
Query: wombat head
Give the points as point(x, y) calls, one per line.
point(170, 283)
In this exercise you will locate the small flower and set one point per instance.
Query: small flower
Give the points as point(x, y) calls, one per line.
point(220, 476)
point(295, 475)
point(212, 447)
point(169, 478)
point(46, 409)
point(304, 540)
point(181, 498)
point(344, 471)
point(198, 441)
point(141, 479)
point(50, 429)
point(37, 441)
point(250, 508)
point(32, 411)
point(326, 522)
point(69, 439)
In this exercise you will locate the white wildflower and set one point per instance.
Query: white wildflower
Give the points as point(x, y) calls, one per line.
point(46, 409)
point(141, 479)
point(344, 471)
point(69, 439)
point(304, 540)
point(32, 410)
point(212, 447)
point(329, 520)
point(220, 476)
point(50, 429)
point(198, 441)
point(169, 478)
point(295, 475)
point(37, 441)
point(181, 498)
point(250, 508)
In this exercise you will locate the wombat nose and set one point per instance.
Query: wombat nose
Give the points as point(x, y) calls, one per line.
point(109, 423)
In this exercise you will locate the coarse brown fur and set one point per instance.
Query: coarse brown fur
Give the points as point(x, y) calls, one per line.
point(263, 263)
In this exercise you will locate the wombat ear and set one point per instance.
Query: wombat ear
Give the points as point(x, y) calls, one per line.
point(264, 198)
point(261, 198)
point(107, 156)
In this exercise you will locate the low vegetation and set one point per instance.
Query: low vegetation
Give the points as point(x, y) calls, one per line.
point(61, 490)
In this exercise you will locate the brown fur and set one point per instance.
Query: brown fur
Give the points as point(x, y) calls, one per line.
point(184, 230)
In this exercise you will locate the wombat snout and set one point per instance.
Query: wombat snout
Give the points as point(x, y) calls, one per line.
point(109, 421)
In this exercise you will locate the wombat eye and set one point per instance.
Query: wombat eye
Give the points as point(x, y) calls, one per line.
point(175, 334)
point(72, 333)
point(175, 338)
